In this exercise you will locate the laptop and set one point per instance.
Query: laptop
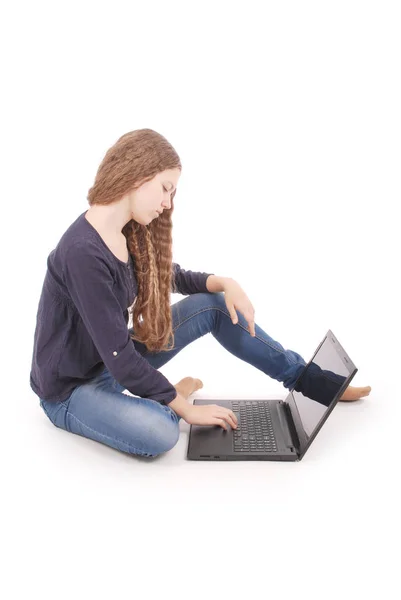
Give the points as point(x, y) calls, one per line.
point(277, 429)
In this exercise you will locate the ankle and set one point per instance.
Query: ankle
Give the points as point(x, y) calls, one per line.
point(183, 388)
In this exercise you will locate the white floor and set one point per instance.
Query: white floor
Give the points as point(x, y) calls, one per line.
point(73, 506)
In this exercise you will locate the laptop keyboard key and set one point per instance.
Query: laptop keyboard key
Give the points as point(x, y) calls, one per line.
point(255, 429)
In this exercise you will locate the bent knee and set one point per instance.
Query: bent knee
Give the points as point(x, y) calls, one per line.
point(160, 441)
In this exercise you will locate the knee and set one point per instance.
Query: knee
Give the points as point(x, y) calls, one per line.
point(161, 440)
point(212, 300)
point(167, 438)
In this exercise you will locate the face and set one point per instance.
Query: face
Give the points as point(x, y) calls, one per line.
point(153, 196)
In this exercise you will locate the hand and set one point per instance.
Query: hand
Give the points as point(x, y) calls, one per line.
point(236, 298)
point(210, 414)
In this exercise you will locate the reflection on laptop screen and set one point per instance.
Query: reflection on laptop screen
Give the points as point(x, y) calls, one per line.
point(319, 385)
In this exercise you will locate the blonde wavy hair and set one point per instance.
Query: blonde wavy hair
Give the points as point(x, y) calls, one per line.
point(134, 159)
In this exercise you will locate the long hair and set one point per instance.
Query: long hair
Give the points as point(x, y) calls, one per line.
point(134, 159)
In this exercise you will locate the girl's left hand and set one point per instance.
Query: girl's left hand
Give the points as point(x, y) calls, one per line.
point(236, 299)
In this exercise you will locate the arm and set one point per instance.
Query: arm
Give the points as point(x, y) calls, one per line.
point(188, 282)
point(180, 405)
point(90, 284)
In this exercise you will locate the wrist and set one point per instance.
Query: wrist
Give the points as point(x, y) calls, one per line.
point(180, 404)
point(214, 283)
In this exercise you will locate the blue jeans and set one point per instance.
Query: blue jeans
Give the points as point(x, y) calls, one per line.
point(99, 409)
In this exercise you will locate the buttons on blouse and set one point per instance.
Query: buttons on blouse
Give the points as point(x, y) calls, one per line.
point(114, 353)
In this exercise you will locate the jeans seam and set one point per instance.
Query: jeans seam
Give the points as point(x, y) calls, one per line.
point(228, 315)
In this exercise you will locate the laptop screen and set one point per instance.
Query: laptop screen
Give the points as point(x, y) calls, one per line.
point(320, 382)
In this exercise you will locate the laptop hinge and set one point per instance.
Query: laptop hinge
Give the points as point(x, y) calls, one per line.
point(288, 427)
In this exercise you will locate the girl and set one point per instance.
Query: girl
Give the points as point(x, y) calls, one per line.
point(118, 254)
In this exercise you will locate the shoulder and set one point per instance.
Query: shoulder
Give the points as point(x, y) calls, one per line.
point(86, 254)
point(88, 246)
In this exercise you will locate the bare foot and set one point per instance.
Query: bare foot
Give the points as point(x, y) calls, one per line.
point(354, 393)
point(188, 385)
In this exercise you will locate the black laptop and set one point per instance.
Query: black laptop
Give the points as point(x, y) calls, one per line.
point(279, 429)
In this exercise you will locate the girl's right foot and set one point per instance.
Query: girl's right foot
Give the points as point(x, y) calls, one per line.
point(355, 393)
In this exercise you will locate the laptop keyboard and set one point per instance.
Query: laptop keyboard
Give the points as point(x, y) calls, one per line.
point(255, 429)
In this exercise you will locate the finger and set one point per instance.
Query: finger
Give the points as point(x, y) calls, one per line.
point(229, 416)
point(223, 410)
point(252, 328)
point(227, 412)
point(221, 423)
point(234, 417)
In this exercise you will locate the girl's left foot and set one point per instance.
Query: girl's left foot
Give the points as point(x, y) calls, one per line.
point(188, 385)
point(354, 393)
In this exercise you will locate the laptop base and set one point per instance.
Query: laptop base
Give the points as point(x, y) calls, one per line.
point(212, 442)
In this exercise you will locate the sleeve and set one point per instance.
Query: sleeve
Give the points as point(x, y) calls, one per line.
point(90, 284)
point(188, 282)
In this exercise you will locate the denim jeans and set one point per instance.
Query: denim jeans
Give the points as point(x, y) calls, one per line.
point(100, 410)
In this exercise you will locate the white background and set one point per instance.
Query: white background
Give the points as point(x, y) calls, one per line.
point(286, 117)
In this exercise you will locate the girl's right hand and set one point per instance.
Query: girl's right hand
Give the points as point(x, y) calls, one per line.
point(210, 414)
